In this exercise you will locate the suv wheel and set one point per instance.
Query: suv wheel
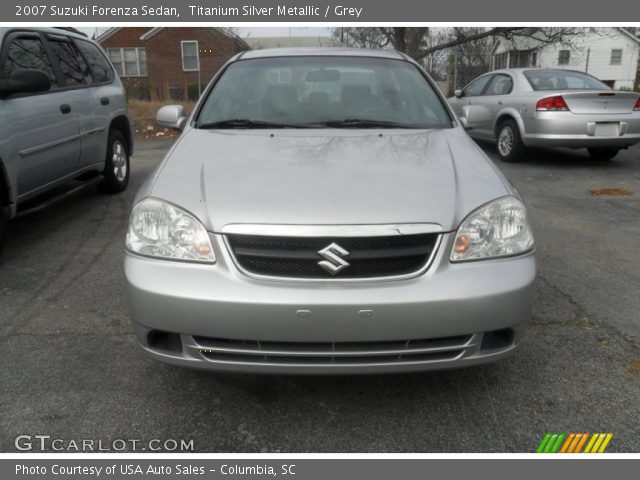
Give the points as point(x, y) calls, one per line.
point(510, 146)
point(602, 154)
point(116, 167)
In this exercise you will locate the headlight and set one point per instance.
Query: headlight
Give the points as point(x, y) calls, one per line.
point(159, 229)
point(497, 229)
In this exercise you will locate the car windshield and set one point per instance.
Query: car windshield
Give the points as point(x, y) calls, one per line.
point(563, 80)
point(323, 91)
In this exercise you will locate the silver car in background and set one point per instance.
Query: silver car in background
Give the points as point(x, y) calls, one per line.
point(528, 107)
point(324, 212)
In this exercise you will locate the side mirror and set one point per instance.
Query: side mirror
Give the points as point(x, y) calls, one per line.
point(171, 116)
point(25, 80)
point(465, 123)
point(458, 94)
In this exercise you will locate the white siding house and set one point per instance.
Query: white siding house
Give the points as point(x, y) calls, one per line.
point(610, 54)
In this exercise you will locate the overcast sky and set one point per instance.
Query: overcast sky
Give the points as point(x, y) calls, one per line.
point(259, 31)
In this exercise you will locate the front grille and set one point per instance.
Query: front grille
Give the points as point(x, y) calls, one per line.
point(300, 257)
point(332, 353)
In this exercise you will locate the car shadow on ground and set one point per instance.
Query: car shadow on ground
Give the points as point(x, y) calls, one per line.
point(563, 157)
point(60, 216)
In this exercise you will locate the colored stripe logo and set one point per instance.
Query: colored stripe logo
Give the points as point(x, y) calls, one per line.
point(574, 443)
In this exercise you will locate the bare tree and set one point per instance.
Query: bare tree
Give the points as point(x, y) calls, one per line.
point(471, 58)
point(418, 42)
point(436, 62)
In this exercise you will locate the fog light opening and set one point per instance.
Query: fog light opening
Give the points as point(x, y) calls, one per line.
point(497, 339)
point(164, 341)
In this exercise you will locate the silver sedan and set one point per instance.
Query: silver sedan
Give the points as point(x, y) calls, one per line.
point(519, 108)
point(324, 212)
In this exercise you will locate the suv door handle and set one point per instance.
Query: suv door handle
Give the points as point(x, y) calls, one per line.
point(65, 108)
point(104, 100)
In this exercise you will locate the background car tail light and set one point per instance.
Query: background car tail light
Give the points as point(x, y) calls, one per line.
point(637, 107)
point(555, 103)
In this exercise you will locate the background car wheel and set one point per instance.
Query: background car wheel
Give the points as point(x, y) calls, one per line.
point(603, 154)
point(510, 146)
point(116, 168)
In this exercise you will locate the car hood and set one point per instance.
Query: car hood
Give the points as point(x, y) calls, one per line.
point(327, 177)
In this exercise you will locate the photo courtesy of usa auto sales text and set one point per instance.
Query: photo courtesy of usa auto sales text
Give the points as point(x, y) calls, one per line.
point(149, 469)
point(99, 470)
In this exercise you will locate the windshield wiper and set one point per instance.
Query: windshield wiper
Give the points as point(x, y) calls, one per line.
point(366, 123)
point(247, 123)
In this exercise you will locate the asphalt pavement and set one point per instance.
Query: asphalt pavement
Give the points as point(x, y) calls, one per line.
point(70, 367)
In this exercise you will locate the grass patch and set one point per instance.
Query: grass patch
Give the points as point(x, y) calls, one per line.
point(611, 191)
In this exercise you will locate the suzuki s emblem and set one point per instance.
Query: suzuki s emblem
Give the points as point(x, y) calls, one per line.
point(334, 261)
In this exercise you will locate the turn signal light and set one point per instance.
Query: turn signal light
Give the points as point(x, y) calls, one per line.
point(553, 104)
point(462, 244)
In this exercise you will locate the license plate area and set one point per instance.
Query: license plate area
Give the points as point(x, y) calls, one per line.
point(607, 129)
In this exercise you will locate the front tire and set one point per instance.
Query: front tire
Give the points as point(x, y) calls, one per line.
point(116, 167)
point(603, 154)
point(510, 147)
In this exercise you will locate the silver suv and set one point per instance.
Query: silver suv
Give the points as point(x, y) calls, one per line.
point(324, 211)
point(63, 119)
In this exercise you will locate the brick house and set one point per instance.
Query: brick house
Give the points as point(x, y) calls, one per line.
point(168, 62)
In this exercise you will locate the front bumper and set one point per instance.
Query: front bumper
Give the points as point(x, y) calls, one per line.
point(347, 327)
point(566, 129)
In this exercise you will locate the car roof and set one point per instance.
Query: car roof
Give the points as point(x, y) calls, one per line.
point(57, 31)
point(541, 69)
point(322, 51)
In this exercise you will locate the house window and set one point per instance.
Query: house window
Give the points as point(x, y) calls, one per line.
point(142, 61)
point(522, 58)
point(500, 60)
point(616, 56)
point(129, 61)
point(563, 57)
point(516, 59)
point(190, 57)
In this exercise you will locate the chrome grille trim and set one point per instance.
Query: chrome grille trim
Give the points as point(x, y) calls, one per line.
point(420, 271)
point(377, 230)
point(331, 354)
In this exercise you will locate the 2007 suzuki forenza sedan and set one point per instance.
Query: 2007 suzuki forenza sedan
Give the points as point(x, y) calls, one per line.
point(324, 211)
